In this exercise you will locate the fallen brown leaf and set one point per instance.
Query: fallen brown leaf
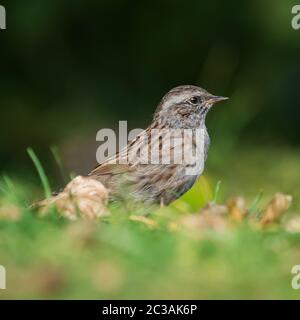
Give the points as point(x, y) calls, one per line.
point(292, 225)
point(214, 209)
point(10, 212)
point(82, 196)
point(275, 208)
point(147, 221)
point(211, 217)
point(236, 208)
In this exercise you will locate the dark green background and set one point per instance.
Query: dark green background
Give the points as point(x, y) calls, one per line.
point(70, 68)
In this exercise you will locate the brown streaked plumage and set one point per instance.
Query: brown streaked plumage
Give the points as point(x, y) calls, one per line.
point(184, 107)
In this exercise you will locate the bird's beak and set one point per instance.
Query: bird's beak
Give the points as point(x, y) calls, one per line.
point(214, 99)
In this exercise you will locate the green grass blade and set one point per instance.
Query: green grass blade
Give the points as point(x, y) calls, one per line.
point(256, 201)
point(41, 172)
point(7, 187)
point(57, 158)
point(216, 191)
point(8, 182)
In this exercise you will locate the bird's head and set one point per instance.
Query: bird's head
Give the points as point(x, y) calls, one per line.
point(185, 107)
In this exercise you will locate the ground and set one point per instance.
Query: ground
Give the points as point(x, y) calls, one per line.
point(165, 255)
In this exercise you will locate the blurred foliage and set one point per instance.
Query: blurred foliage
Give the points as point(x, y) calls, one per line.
point(70, 68)
point(119, 257)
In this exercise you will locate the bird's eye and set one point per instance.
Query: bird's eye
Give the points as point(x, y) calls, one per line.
point(194, 100)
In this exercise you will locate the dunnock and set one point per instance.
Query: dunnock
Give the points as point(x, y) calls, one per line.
point(125, 175)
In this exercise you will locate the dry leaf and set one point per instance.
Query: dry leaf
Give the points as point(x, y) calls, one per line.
point(274, 209)
point(292, 225)
point(149, 222)
point(205, 222)
point(214, 209)
point(10, 212)
point(211, 217)
point(82, 196)
point(236, 208)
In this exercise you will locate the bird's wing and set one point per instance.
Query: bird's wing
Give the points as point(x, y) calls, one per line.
point(118, 163)
point(122, 158)
point(110, 169)
point(110, 174)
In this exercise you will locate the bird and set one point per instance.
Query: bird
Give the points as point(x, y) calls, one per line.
point(126, 174)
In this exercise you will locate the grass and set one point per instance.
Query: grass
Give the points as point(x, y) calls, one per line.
point(41, 172)
point(124, 258)
point(216, 192)
point(254, 206)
